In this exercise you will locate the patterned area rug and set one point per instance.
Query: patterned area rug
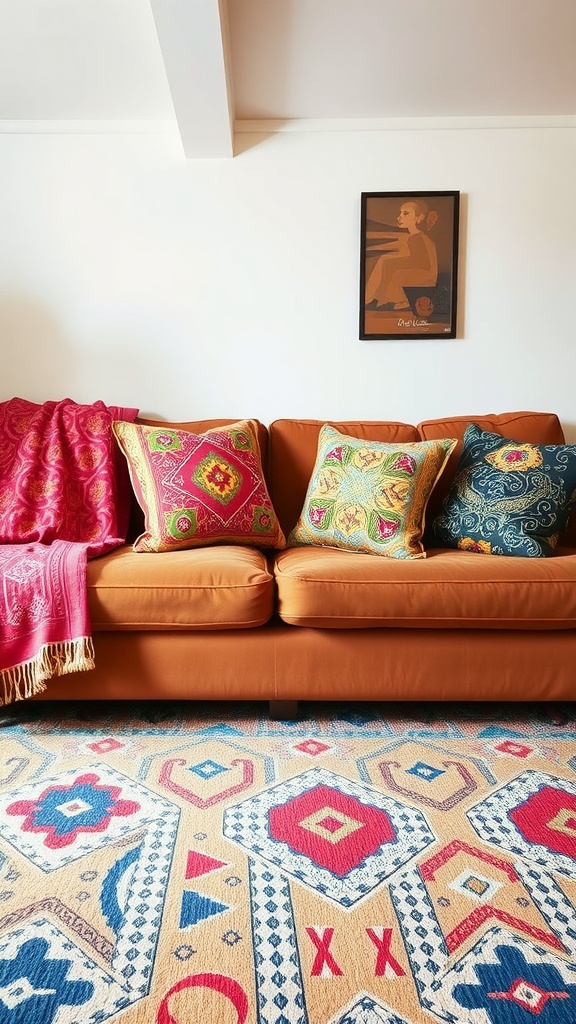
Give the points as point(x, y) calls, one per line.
point(177, 864)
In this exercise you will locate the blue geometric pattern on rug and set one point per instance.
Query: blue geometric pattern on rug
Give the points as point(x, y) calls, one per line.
point(538, 988)
point(512, 981)
point(195, 908)
point(365, 1009)
point(104, 808)
point(279, 982)
point(113, 903)
point(176, 863)
point(41, 971)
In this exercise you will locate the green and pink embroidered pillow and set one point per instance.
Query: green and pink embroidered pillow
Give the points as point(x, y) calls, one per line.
point(199, 489)
point(508, 498)
point(370, 496)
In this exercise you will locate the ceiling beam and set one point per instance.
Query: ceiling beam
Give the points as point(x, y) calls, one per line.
point(193, 37)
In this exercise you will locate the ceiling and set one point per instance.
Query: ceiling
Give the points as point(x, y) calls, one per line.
point(216, 67)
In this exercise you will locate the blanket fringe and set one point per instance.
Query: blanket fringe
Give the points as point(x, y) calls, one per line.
point(57, 659)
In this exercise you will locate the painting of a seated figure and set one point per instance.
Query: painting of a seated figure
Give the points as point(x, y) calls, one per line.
point(408, 268)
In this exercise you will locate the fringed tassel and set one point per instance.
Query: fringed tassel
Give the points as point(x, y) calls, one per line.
point(57, 659)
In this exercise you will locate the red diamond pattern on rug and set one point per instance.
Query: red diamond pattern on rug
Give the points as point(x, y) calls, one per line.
point(333, 829)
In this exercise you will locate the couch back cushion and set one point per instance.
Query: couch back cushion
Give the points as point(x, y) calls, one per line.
point(293, 446)
point(530, 427)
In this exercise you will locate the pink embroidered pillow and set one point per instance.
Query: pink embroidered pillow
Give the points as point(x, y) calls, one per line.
point(199, 489)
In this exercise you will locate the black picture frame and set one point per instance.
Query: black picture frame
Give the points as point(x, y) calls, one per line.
point(408, 265)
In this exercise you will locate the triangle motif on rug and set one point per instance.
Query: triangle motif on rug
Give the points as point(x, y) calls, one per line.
point(201, 864)
point(195, 908)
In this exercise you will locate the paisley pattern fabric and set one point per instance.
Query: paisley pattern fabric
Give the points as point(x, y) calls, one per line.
point(61, 474)
point(199, 489)
point(370, 496)
point(508, 498)
point(64, 497)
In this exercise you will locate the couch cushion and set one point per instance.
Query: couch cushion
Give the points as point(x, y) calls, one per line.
point(195, 427)
point(508, 497)
point(450, 589)
point(531, 427)
point(370, 496)
point(199, 489)
point(293, 445)
point(201, 588)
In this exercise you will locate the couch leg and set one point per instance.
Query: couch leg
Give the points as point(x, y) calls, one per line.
point(283, 709)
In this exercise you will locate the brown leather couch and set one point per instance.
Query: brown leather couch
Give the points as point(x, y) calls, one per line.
point(232, 623)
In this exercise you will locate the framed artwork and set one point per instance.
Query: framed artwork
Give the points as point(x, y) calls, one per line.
point(408, 264)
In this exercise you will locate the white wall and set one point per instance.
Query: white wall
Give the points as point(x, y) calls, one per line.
point(206, 288)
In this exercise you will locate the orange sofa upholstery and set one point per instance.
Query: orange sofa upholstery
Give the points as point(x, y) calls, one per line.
point(233, 623)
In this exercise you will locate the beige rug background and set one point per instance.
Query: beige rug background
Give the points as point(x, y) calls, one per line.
point(371, 864)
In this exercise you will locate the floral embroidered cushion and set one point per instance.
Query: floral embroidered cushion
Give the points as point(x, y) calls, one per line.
point(508, 498)
point(370, 496)
point(199, 489)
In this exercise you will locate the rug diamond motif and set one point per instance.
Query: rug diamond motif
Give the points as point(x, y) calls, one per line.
point(63, 818)
point(330, 824)
point(533, 815)
point(332, 834)
point(198, 862)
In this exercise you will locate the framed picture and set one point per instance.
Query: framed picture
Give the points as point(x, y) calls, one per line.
point(408, 264)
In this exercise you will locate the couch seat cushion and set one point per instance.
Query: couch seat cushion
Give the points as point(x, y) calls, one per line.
point(220, 587)
point(449, 589)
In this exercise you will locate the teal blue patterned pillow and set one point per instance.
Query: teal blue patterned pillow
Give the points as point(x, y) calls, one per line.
point(508, 498)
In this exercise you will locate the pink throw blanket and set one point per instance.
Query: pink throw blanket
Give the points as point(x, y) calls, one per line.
point(64, 498)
